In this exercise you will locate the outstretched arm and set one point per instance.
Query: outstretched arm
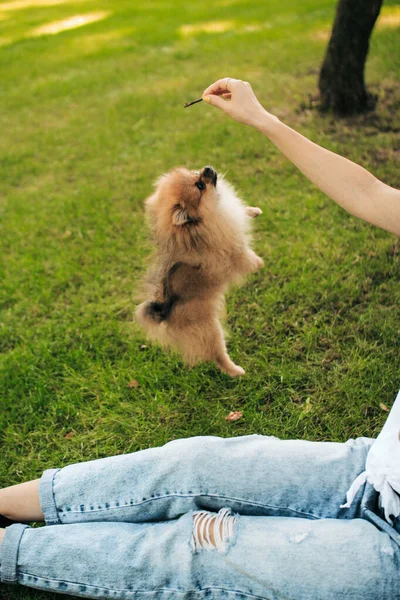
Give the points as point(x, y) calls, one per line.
point(348, 184)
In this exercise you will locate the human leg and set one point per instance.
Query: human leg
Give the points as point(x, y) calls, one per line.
point(196, 556)
point(21, 502)
point(253, 475)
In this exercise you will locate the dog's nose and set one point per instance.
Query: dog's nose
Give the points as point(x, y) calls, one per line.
point(211, 174)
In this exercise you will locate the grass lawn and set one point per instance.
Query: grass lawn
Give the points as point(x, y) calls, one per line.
point(89, 117)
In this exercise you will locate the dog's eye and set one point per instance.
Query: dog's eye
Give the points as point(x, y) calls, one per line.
point(200, 185)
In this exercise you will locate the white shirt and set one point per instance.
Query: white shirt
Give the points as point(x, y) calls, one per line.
point(382, 467)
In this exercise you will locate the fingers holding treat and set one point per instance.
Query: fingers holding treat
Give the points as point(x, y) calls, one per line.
point(237, 99)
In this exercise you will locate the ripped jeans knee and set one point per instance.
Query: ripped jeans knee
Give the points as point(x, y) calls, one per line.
point(213, 531)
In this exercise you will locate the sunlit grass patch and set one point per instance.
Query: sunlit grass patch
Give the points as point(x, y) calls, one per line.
point(207, 27)
point(253, 27)
point(70, 23)
point(227, 2)
point(389, 17)
point(6, 40)
point(55, 27)
point(23, 4)
point(93, 43)
point(321, 35)
point(223, 27)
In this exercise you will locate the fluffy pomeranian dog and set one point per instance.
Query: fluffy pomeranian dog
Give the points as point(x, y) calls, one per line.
point(202, 233)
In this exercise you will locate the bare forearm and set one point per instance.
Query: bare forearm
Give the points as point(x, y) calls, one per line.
point(348, 184)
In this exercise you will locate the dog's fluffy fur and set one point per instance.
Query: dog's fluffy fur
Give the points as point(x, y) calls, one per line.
point(202, 233)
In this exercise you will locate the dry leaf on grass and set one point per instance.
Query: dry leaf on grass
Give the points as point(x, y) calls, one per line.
point(234, 416)
point(69, 435)
point(132, 384)
point(384, 407)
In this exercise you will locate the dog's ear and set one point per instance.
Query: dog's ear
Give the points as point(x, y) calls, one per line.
point(180, 215)
point(150, 205)
point(151, 201)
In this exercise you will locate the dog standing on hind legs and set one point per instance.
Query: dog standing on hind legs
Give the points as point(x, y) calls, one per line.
point(202, 234)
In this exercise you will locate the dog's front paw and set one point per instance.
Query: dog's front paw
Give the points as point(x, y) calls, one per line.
point(253, 211)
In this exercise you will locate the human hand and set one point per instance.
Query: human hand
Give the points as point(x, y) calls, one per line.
point(237, 99)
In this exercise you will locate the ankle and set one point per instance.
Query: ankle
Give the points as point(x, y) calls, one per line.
point(5, 504)
point(21, 502)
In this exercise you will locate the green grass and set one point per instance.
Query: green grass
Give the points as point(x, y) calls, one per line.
point(88, 119)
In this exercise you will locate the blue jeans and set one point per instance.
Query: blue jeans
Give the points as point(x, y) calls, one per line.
point(248, 517)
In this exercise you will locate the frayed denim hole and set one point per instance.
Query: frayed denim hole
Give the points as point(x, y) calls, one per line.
point(214, 531)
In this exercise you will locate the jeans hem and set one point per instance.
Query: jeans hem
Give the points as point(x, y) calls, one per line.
point(46, 497)
point(9, 552)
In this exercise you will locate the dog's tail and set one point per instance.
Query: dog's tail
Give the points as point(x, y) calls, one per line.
point(152, 317)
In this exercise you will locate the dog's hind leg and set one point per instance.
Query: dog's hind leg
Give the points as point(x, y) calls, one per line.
point(253, 211)
point(225, 364)
point(221, 356)
point(205, 341)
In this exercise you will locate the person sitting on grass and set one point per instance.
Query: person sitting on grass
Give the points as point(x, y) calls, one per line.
point(205, 517)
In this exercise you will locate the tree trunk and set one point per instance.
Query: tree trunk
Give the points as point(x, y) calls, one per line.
point(341, 80)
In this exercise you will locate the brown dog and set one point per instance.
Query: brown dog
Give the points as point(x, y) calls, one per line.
point(201, 229)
